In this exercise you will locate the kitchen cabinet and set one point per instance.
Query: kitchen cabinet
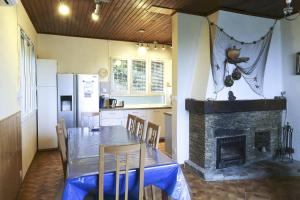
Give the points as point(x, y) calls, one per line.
point(112, 118)
point(139, 113)
point(157, 116)
point(119, 117)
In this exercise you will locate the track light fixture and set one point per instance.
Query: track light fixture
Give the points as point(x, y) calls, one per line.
point(288, 11)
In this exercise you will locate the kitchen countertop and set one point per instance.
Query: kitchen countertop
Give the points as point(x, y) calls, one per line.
point(139, 107)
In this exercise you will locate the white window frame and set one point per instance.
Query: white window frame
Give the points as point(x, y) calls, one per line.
point(134, 93)
point(111, 77)
point(129, 92)
point(27, 76)
point(150, 76)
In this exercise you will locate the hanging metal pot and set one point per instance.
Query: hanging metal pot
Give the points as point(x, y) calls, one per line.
point(228, 82)
point(236, 74)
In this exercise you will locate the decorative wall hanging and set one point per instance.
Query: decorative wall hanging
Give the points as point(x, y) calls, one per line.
point(231, 59)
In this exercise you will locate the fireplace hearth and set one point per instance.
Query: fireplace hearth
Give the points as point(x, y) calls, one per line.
point(227, 134)
point(231, 151)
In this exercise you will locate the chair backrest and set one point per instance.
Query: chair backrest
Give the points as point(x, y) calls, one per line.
point(89, 116)
point(153, 134)
point(139, 128)
point(118, 150)
point(63, 125)
point(130, 126)
point(62, 147)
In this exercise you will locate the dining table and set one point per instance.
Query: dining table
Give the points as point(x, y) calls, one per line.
point(83, 164)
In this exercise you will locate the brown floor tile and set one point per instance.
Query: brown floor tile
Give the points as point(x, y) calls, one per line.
point(43, 178)
point(45, 175)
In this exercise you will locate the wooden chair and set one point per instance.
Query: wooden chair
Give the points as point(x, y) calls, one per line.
point(117, 151)
point(152, 134)
point(139, 128)
point(152, 138)
point(63, 125)
point(90, 119)
point(62, 147)
point(130, 126)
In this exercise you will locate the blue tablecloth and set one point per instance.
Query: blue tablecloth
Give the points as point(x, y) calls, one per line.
point(82, 178)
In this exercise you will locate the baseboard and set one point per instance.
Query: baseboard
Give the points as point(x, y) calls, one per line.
point(45, 150)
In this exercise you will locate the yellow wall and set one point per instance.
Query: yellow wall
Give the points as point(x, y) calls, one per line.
point(10, 18)
point(84, 55)
point(8, 62)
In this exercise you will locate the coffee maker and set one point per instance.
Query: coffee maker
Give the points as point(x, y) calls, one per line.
point(112, 103)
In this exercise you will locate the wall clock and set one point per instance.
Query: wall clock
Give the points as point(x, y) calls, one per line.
point(103, 73)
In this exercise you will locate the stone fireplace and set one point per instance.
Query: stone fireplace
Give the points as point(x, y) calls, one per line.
point(225, 134)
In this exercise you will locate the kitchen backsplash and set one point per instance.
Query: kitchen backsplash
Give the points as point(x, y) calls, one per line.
point(129, 100)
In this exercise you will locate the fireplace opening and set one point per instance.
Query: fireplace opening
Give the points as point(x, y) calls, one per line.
point(231, 151)
point(262, 141)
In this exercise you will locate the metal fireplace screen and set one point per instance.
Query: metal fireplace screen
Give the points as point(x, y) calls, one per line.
point(231, 151)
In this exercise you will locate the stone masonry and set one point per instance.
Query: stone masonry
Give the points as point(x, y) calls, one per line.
point(206, 128)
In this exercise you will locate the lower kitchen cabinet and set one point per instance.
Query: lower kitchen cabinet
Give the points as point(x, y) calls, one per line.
point(112, 118)
point(119, 117)
point(157, 116)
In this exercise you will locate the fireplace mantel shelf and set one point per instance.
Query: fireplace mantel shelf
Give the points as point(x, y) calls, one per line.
point(211, 107)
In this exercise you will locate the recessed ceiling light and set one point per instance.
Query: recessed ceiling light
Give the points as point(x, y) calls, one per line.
point(63, 9)
point(141, 31)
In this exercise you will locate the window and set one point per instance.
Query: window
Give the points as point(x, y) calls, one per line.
point(138, 72)
point(27, 75)
point(137, 77)
point(119, 76)
point(157, 76)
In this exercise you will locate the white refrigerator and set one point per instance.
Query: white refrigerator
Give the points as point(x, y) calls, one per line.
point(47, 103)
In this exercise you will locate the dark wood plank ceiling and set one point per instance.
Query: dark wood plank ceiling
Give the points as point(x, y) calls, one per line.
point(121, 19)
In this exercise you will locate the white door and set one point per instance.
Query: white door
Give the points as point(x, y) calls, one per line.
point(47, 117)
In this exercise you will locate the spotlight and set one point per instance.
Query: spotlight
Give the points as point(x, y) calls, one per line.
point(96, 13)
point(63, 9)
point(155, 45)
point(142, 50)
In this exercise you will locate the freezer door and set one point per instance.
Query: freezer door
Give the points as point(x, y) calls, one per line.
point(46, 72)
point(87, 95)
point(66, 99)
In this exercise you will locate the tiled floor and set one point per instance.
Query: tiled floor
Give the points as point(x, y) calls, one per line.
point(45, 175)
